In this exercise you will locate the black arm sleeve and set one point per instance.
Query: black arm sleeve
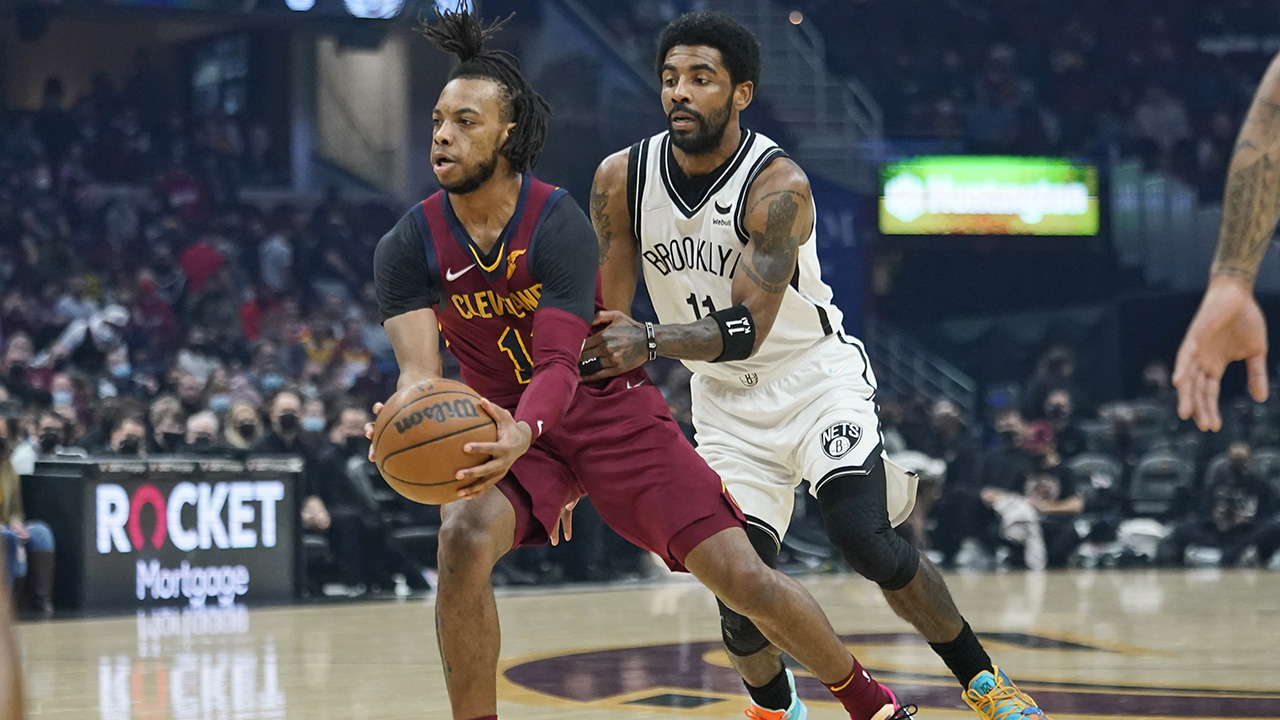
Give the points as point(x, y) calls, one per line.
point(566, 260)
point(400, 271)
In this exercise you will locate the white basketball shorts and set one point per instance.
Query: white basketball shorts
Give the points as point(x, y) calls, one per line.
point(813, 419)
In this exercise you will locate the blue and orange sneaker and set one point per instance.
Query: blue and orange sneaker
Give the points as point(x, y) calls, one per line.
point(994, 697)
point(795, 711)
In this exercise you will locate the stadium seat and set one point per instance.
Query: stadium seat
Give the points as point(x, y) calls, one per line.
point(1158, 481)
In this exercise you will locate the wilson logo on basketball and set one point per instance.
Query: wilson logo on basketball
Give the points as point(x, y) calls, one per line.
point(439, 412)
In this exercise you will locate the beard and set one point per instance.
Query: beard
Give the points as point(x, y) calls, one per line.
point(472, 181)
point(709, 133)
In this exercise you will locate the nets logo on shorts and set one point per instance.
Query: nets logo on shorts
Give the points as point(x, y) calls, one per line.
point(839, 439)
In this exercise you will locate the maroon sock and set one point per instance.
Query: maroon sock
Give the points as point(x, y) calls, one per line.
point(861, 696)
point(486, 717)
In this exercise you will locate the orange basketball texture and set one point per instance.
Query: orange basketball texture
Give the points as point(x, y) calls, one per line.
point(419, 436)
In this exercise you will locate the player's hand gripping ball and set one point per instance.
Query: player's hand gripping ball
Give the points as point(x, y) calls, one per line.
point(419, 436)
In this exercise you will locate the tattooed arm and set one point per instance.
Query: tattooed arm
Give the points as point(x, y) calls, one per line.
point(1251, 203)
point(1229, 325)
point(612, 221)
point(779, 218)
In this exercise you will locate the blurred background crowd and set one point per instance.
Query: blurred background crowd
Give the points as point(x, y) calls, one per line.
point(149, 306)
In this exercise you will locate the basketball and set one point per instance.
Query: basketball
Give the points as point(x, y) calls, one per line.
point(419, 436)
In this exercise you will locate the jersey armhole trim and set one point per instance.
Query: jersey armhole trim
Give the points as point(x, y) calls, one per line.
point(762, 162)
point(637, 160)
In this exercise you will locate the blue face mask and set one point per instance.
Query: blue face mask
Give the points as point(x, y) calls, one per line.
point(220, 403)
point(313, 424)
point(272, 381)
point(62, 398)
point(122, 371)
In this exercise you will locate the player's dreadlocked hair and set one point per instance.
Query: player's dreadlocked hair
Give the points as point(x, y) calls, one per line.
point(738, 47)
point(460, 32)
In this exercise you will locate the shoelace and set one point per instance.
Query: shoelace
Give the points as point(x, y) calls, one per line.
point(999, 694)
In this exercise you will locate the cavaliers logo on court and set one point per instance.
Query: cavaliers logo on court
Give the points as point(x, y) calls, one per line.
point(839, 439)
point(697, 679)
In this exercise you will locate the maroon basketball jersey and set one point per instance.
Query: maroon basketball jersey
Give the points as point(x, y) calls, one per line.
point(487, 300)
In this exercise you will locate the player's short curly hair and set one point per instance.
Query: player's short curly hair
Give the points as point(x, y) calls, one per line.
point(737, 45)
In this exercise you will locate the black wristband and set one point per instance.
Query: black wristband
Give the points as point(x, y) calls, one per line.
point(590, 366)
point(737, 330)
point(652, 341)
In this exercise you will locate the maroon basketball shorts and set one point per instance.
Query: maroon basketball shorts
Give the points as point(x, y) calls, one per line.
point(618, 445)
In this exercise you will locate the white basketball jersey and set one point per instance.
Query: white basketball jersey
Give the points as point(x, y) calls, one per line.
point(691, 253)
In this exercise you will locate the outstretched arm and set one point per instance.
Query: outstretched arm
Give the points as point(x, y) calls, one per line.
point(1229, 325)
point(779, 218)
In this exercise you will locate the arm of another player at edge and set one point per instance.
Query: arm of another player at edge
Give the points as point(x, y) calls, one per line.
point(778, 219)
point(612, 222)
point(1251, 202)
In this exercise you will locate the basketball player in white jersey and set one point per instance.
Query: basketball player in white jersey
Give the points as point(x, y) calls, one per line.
point(722, 222)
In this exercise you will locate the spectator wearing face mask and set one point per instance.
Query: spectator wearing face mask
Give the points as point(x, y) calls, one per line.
point(243, 426)
point(1233, 517)
point(1008, 463)
point(314, 423)
point(46, 440)
point(167, 425)
point(285, 438)
point(128, 438)
point(202, 434)
point(1059, 411)
point(352, 535)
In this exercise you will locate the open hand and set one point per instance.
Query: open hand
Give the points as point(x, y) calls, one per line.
point(1229, 326)
point(514, 438)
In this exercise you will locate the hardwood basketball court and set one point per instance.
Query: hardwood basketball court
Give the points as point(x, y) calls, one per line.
point(1147, 644)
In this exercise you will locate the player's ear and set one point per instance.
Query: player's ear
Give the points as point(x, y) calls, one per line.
point(743, 93)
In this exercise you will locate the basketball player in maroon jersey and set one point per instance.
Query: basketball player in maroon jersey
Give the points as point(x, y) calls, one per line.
point(505, 267)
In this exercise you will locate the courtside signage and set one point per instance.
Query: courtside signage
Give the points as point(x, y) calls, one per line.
point(988, 195)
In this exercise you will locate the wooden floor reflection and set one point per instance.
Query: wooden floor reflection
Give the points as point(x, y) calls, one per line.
point(1146, 644)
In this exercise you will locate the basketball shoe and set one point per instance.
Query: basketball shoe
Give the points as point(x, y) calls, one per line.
point(795, 711)
point(798, 711)
point(995, 697)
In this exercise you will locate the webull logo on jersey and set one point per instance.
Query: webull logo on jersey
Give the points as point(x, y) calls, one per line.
point(463, 408)
point(839, 439)
point(689, 254)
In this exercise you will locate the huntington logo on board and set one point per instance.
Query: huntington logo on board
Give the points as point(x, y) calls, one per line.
point(439, 412)
point(839, 439)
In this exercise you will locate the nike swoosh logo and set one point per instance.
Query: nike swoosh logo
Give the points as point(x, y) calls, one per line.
point(539, 427)
point(629, 385)
point(451, 275)
point(723, 210)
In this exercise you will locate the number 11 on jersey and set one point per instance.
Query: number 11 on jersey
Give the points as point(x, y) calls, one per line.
point(706, 303)
point(513, 345)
